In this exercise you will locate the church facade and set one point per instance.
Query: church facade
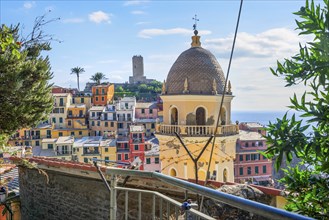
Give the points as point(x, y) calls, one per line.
point(191, 97)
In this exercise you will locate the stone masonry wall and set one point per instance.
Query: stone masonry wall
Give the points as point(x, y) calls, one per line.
point(73, 197)
point(64, 197)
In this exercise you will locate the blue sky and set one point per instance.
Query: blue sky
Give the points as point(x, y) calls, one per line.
point(102, 36)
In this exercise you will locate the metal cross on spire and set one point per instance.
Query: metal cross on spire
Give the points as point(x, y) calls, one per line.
point(195, 22)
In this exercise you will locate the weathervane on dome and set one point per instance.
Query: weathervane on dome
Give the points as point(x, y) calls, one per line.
point(195, 24)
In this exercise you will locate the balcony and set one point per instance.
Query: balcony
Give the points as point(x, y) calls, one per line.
point(138, 140)
point(125, 149)
point(197, 130)
point(122, 138)
point(124, 118)
point(76, 116)
point(86, 153)
point(63, 153)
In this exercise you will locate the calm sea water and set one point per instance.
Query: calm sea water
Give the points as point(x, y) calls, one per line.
point(257, 116)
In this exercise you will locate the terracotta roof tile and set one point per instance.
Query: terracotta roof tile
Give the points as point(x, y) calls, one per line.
point(54, 162)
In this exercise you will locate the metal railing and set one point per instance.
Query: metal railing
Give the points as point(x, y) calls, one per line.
point(235, 201)
point(163, 207)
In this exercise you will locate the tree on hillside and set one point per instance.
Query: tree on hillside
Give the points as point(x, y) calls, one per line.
point(97, 77)
point(77, 70)
point(25, 92)
point(308, 188)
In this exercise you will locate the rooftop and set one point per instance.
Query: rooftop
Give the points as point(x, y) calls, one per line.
point(136, 128)
point(65, 140)
point(49, 140)
point(250, 136)
point(149, 105)
point(43, 125)
point(253, 124)
point(60, 94)
point(38, 151)
point(90, 141)
point(97, 108)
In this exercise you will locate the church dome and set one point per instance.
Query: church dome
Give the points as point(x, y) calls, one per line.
point(196, 71)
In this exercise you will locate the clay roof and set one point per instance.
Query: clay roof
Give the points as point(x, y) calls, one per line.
point(60, 94)
point(200, 67)
point(253, 125)
point(149, 105)
point(53, 162)
point(250, 136)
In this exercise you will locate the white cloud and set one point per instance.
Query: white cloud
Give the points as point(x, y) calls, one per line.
point(143, 22)
point(149, 33)
point(137, 12)
point(29, 5)
point(100, 16)
point(274, 43)
point(134, 2)
point(72, 20)
point(253, 85)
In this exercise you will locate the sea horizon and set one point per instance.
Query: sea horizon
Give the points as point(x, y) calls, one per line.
point(262, 117)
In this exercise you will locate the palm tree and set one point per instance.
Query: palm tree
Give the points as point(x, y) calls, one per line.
point(97, 77)
point(77, 70)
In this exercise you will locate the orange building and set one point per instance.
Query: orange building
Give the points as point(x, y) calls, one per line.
point(102, 94)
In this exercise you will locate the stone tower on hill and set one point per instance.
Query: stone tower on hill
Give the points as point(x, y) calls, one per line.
point(138, 71)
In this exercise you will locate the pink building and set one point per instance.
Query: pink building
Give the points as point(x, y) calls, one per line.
point(146, 114)
point(152, 159)
point(146, 110)
point(249, 165)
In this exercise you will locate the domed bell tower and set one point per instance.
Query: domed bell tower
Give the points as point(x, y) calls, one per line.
point(191, 97)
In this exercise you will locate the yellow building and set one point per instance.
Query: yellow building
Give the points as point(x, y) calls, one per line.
point(83, 99)
point(88, 148)
point(61, 103)
point(191, 100)
point(32, 136)
point(108, 151)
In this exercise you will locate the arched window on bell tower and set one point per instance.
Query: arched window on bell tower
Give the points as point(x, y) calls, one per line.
point(174, 116)
point(223, 117)
point(200, 116)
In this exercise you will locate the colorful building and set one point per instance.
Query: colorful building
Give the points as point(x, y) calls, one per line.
point(95, 114)
point(191, 100)
point(137, 145)
point(87, 149)
point(61, 103)
point(109, 121)
point(32, 136)
point(125, 113)
point(102, 94)
point(64, 147)
point(83, 98)
point(146, 114)
point(152, 156)
point(249, 165)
